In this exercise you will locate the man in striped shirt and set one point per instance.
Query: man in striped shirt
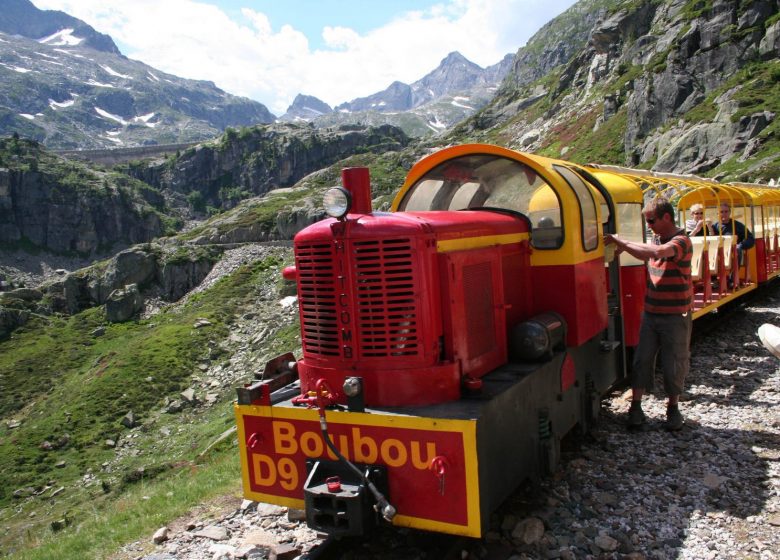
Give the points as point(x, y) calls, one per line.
point(667, 318)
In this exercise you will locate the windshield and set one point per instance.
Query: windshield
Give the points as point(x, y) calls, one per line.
point(489, 181)
point(475, 181)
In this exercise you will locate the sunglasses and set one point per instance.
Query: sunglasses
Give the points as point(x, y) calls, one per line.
point(650, 221)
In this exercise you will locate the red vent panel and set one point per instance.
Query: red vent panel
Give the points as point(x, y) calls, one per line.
point(385, 284)
point(317, 299)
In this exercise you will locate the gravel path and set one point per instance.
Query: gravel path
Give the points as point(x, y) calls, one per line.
point(709, 491)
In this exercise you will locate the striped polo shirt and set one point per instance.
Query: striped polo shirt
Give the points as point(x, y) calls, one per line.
point(669, 288)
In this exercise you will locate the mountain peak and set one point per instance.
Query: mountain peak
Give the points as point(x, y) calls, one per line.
point(306, 108)
point(454, 57)
point(21, 17)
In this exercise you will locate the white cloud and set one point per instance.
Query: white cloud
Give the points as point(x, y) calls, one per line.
point(200, 41)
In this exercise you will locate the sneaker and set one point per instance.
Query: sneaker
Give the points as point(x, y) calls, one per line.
point(674, 418)
point(635, 415)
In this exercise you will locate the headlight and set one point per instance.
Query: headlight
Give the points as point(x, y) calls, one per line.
point(337, 202)
point(352, 386)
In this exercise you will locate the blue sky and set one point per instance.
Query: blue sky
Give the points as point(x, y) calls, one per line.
point(310, 16)
point(335, 50)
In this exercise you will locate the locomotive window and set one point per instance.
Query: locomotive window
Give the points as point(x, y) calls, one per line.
point(423, 197)
point(475, 181)
point(590, 230)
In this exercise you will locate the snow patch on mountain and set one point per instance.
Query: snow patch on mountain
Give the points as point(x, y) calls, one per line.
point(72, 54)
point(114, 72)
point(98, 84)
point(107, 115)
point(60, 104)
point(144, 119)
point(456, 102)
point(63, 37)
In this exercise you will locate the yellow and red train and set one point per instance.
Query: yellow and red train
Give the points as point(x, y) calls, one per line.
point(450, 344)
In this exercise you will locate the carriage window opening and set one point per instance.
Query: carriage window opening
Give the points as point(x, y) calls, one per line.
point(468, 195)
point(544, 211)
point(422, 197)
point(590, 230)
point(629, 227)
point(759, 223)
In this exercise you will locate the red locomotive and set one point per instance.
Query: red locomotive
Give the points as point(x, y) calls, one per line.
point(450, 344)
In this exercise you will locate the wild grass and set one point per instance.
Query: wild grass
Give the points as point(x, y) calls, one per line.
point(138, 513)
point(63, 393)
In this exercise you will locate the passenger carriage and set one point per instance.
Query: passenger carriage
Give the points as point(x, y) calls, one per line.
point(449, 345)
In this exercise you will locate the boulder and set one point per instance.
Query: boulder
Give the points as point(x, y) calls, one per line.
point(770, 45)
point(10, 319)
point(129, 421)
point(178, 278)
point(123, 304)
point(136, 265)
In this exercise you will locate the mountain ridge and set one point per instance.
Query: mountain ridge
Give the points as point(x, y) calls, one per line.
point(67, 94)
point(450, 92)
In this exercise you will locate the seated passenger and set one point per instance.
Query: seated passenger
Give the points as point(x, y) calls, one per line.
point(695, 225)
point(729, 226)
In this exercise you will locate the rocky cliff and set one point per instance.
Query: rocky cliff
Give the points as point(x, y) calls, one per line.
point(64, 207)
point(677, 86)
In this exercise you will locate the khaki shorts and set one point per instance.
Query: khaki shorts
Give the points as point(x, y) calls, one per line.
point(671, 336)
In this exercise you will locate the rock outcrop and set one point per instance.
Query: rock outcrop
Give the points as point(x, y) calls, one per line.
point(661, 76)
point(164, 272)
point(256, 160)
point(123, 303)
point(68, 209)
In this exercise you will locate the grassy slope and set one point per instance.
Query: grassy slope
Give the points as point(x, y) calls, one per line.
point(71, 389)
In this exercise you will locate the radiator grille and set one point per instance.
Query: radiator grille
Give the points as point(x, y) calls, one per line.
point(386, 307)
point(317, 298)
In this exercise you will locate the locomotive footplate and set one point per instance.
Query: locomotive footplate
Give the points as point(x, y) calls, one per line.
point(337, 501)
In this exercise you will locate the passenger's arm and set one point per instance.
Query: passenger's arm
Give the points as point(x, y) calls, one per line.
point(748, 241)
